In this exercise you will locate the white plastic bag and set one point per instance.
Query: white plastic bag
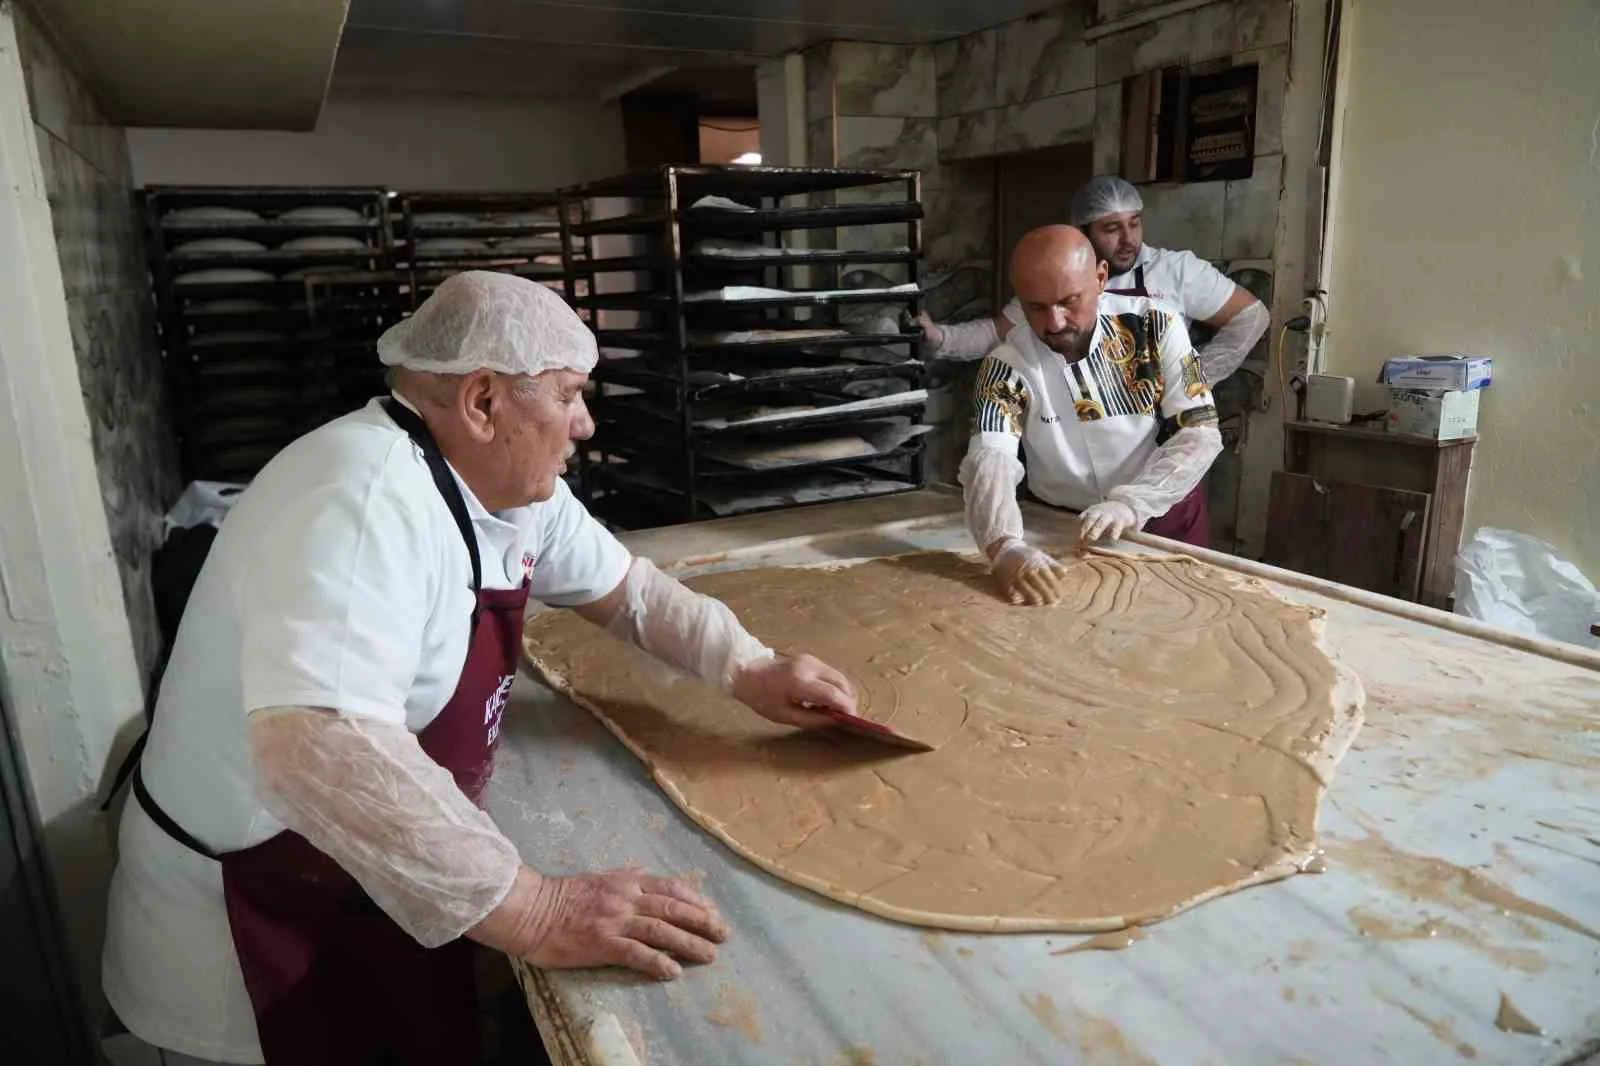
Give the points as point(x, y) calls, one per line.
point(1523, 584)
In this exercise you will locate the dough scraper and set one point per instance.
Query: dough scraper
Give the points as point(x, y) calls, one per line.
point(866, 727)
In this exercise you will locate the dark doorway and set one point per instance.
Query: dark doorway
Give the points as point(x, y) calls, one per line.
point(1036, 190)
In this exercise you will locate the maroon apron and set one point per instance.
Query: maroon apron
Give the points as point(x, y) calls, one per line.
point(332, 979)
point(1188, 520)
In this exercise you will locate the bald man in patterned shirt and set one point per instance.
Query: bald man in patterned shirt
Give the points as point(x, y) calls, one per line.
point(1106, 399)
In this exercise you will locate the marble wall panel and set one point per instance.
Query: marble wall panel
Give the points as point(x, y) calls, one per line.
point(884, 79)
point(1055, 120)
point(966, 75)
point(1186, 216)
point(1043, 56)
point(1252, 211)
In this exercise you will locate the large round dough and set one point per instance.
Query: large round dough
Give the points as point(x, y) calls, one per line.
point(1161, 736)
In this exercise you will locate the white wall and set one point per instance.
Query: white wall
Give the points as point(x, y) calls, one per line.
point(406, 143)
point(1467, 219)
point(68, 675)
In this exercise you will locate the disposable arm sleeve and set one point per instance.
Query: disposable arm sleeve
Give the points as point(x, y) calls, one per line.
point(366, 794)
point(695, 633)
point(1171, 473)
point(1232, 342)
point(989, 478)
point(966, 342)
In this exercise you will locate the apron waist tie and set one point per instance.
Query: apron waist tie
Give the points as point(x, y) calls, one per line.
point(164, 820)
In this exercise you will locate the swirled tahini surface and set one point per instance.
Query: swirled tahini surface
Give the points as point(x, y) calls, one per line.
point(1161, 736)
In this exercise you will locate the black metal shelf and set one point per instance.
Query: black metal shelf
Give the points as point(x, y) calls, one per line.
point(625, 412)
point(794, 348)
point(719, 470)
point(656, 341)
point(424, 230)
point(236, 402)
point(636, 503)
point(658, 262)
point(708, 222)
point(478, 210)
point(735, 181)
point(662, 301)
point(657, 379)
point(272, 258)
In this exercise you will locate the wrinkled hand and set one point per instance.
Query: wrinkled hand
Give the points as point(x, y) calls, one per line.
point(932, 332)
point(780, 690)
point(1027, 576)
point(618, 918)
point(1106, 521)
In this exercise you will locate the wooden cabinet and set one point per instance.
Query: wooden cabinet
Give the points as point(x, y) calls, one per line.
point(1375, 510)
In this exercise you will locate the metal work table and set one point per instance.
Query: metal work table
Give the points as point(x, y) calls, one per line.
point(1480, 753)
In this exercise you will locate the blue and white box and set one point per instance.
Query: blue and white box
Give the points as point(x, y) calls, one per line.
point(1458, 373)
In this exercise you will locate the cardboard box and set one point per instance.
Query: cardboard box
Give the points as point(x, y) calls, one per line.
point(1438, 414)
point(1458, 372)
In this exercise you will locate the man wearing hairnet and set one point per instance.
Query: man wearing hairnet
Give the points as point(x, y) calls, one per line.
point(1103, 395)
point(306, 862)
point(1110, 212)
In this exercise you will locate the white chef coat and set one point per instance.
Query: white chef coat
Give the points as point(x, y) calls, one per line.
point(1090, 426)
point(338, 580)
point(1179, 278)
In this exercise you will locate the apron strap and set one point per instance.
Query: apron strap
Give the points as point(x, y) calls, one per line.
point(163, 819)
point(443, 480)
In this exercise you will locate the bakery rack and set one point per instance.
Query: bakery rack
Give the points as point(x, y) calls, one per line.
point(268, 301)
point(756, 341)
point(443, 233)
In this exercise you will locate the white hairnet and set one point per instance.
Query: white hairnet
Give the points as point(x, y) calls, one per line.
point(1102, 196)
point(482, 320)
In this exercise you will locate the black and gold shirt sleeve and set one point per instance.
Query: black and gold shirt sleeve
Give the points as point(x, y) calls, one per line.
point(999, 399)
point(1186, 399)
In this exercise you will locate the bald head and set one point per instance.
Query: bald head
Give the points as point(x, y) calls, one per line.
point(1058, 279)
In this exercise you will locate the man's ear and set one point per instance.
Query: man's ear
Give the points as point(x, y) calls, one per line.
point(1101, 273)
point(475, 400)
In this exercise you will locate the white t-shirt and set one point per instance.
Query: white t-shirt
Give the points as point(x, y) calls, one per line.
point(1090, 426)
point(338, 580)
point(1179, 278)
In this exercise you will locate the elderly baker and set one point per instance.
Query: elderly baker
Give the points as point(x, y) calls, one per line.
point(306, 862)
point(1105, 399)
point(1110, 212)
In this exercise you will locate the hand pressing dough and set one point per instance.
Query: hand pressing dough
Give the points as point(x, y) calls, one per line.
point(1161, 736)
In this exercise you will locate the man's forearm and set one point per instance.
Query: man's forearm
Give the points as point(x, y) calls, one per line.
point(366, 794)
point(989, 479)
point(681, 627)
point(1171, 473)
point(1233, 341)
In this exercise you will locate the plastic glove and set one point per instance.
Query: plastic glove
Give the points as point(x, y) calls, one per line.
point(618, 918)
point(1027, 576)
point(1170, 474)
point(697, 634)
point(959, 341)
point(1230, 346)
point(1106, 521)
point(780, 690)
point(989, 478)
point(367, 795)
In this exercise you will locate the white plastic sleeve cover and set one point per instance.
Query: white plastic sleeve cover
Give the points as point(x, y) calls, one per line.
point(366, 794)
point(1171, 472)
point(967, 341)
point(989, 479)
point(1230, 346)
point(695, 633)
